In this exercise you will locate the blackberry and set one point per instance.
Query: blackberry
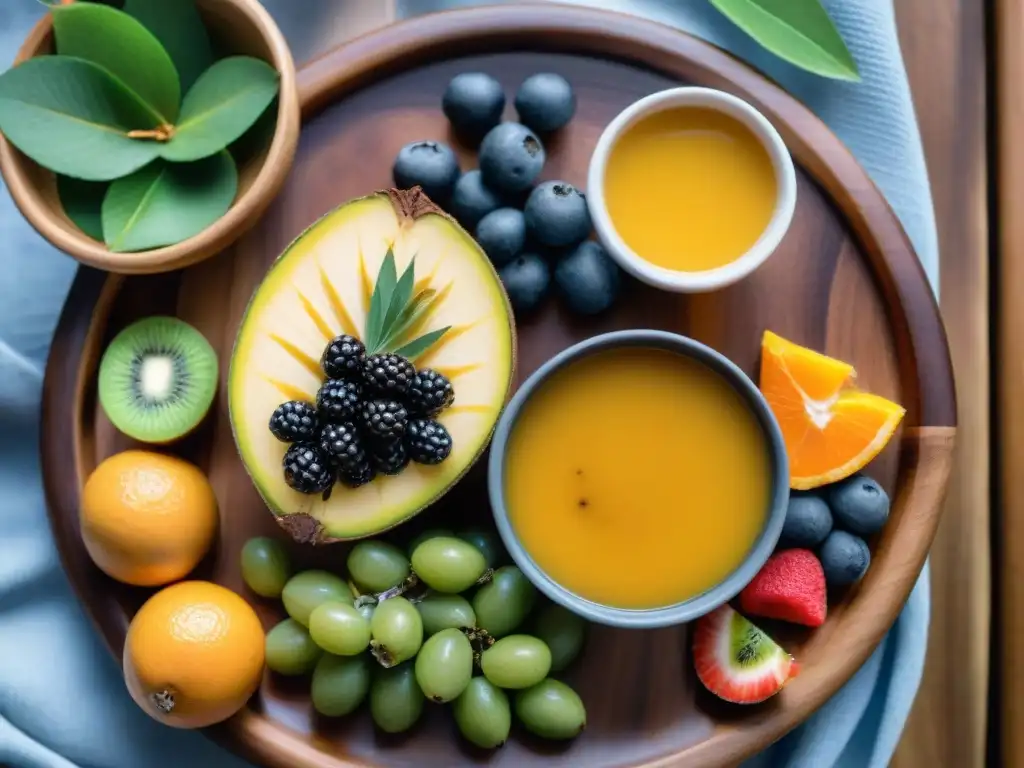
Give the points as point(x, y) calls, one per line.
point(388, 374)
point(385, 418)
point(306, 470)
point(343, 446)
point(357, 475)
point(343, 358)
point(390, 456)
point(338, 400)
point(427, 441)
point(430, 393)
point(295, 422)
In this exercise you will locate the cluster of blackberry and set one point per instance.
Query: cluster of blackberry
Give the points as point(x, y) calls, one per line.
point(373, 414)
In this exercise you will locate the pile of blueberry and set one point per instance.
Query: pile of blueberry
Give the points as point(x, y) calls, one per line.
point(834, 521)
point(534, 234)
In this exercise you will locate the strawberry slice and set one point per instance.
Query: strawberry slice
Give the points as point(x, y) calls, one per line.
point(790, 587)
point(737, 661)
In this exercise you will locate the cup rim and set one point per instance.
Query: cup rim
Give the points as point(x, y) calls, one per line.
point(696, 605)
point(705, 280)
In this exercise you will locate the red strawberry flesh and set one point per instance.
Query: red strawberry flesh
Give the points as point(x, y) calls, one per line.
point(790, 587)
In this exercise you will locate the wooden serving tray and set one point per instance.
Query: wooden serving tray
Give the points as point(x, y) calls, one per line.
point(845, 281)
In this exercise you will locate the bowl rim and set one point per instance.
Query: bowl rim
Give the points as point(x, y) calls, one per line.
point(706, 280)
point(697, 605)
point(245, 210)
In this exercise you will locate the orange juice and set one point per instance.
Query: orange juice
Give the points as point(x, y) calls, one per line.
point(689, 188)
point(637, 477)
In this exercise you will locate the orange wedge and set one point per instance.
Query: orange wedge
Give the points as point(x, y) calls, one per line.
point(831, 429)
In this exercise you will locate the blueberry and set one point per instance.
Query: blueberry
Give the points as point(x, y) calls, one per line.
point(808, 521)
point(859, 505)
point(557, 215)
point(473, 103)
point(511, 157)
point(844, 558)
point(545, 102)
point(472, 199)
point(428, 164)
point(502, 235)
point(526, 280)
point(587, 279)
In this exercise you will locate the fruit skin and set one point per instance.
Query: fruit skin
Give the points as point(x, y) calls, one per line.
point(430, 393)
point(444, 665)
point(502, 604)
point(448, 564)
point(337, 401)
point(389, 456)
point(384, 418)
point(193, 654)
point(527, 280)
point(473, 103)
point(488, 543)
point(483, 714)
point(588, 280)
point(736, 661)
point(545, 102)
point(511, 157)
point(516, 661)
point(556, 215)
point(844, 558)
point(563, 632)
point(339, 628)
point(146, 518)
point(472, 199)
point(430, 533)
point(551, 710)
point(295, 422)
point(430, 165)
point(265, 566)
point(377, 566)
point(790, 586)
point(308, 589)
point(440, 611)
point(306, 469)
point(502, 235)
point(397, 631)
point(340, 683)
point(427, 441)
point(808, 521)
point(859, 505)
point(343, 358)
point(290, 650)
point(396, 701)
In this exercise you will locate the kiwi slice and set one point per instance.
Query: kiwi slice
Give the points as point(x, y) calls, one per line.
point(157, 379)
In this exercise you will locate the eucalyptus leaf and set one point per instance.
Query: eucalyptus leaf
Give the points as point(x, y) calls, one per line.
point(421, 344)
point(125, 48)
point(178, 25)
point(73, 117)
point(82, 201)
point(399, 300)
point(224, 102)
point(165, 203)
point(799, 31)
point(387, 277)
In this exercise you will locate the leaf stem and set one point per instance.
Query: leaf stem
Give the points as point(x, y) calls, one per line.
point(163, 132)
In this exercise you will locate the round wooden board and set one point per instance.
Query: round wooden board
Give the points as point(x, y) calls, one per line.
point(844, 281)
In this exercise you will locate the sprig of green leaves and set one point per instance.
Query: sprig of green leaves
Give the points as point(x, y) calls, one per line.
point(391, 312)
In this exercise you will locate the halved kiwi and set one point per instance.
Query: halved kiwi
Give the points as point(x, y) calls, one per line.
point(157, 379)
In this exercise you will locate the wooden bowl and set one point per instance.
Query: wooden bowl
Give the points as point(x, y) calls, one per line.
point(240, 27)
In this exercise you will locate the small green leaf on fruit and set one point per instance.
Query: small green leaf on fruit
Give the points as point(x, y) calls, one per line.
point(387, 277)
point(166, 203)
point(124, 47)
point(82, 201)
point(222, 105)
point(72, 117)
point(799, 31)
point(178, 25)
point(412, 312)
point(399, 300)
point(419, 345)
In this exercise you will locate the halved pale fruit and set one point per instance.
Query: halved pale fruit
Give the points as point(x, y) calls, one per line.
point(320, 287)
point(831, 429)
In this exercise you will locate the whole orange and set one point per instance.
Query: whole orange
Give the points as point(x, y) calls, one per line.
point(193, 654)
point(147, 518)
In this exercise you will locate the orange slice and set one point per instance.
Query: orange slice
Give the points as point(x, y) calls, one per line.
point(831, 429)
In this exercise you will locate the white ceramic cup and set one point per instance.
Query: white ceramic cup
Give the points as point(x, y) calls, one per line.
point(745, 263)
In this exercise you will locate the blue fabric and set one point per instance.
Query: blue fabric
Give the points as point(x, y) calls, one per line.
point(62, 700)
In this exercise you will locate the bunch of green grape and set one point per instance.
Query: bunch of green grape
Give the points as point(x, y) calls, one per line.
point(410, 627)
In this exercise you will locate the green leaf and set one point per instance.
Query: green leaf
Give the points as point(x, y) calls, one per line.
point(799, 31)
point(380, 299)
point(81, 201)
point(125, 48)
point(399, 300)
point(73, 117)
point(225, 101)
point(178, 25)
point(421, 344)
point(412, 312)
point(165, 203)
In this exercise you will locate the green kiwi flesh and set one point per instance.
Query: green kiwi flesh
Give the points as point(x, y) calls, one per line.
point(157, 379)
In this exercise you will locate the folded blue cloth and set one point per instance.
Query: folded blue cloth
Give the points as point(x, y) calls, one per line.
point(62, 700)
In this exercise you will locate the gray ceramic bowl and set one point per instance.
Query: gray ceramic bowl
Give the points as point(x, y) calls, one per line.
point(698, 605)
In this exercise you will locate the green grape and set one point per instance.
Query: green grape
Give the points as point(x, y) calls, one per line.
point(396, 701)
point(340, 684)
point(448, 564)
point(306, 590)
point(483, 714)
point(366, 610)
point(563, 632)
point(430, 533)
point(440, 611)
point(339, 628)
point(503, 604)
point(444, 665)
point(265, 566)
point(551, 710)
point(488, 543)
point(377, 566)
point(397, 631)
point(516, 661)
point(290, 650)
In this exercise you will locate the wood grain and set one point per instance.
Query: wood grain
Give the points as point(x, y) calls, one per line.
point(845, 280)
